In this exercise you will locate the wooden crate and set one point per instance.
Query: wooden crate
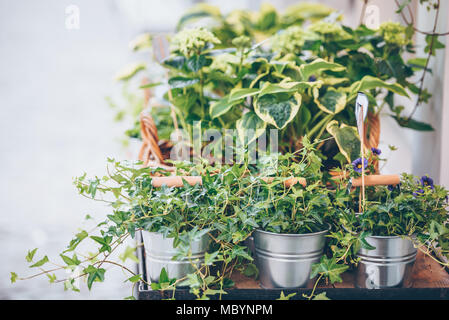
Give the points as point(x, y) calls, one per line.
point(430, 281)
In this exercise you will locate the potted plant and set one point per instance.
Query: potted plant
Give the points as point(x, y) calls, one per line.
point(395, 221)
point(292, 222)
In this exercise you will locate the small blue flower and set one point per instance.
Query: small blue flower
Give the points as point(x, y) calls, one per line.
point(312, 78)
point(390, 187)
point(420, 191)
point(376, 151)
point(357, 165)
point(426, 181)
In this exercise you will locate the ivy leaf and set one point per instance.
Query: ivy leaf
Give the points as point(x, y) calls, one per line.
point(331, 102)
point(277, 112)
point(13, 277)
point(286, 297)
point(95, 274)
point(251, 270)
point(163, 276)
point(70, 261)
point(129, 253)
point(329, 268)
point(347, 139)
point(30, 255)
point(40, 263)
point(209, 258)
point(75, 242)
point(51, 277)
point(321, 296)
point(135, 278)
point(105, 242)
point(250, 127)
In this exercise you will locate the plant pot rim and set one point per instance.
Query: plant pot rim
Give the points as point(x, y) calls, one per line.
point(295, 234)
point(390, 237)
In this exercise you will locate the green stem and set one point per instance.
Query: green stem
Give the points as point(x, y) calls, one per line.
point(320, 125)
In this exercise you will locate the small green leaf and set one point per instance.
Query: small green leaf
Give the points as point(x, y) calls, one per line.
point(209, 258)
point(163, 277)
point(51, 277)
point(222, 106)
point(95, 274)
point(13, 277)
point(40, 263)
point(321, 296)
point(30, 255)
point(135, 278)
point(286, 297)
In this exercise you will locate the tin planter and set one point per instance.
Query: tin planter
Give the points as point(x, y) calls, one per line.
point(285, 260)
point(159, 252)
point(388, 266)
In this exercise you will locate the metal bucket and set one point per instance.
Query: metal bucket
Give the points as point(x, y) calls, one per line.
point(388, 266)
point(285, 260)
point(159, 252)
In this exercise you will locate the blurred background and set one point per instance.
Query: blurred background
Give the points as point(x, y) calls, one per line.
point(56, 122)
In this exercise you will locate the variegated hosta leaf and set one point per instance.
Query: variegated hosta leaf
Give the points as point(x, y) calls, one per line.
point(318, 65)
point(250, 127)
point(271, 88)
point(347, 139)
point(331, 102)
point(129, 71)
point(369, 82)
point(277, 112)
point(240, 93)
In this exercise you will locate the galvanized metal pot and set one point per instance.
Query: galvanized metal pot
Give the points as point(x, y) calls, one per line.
point(388, 266)
point(159, 252)
point(285, 260)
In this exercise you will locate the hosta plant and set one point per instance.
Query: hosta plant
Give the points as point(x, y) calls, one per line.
point(303, 79)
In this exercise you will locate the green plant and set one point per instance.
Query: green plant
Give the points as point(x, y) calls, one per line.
point(301, 80)
point(230, 203)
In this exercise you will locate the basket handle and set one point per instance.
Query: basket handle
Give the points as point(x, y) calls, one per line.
point(176, 181)
point(378, 180)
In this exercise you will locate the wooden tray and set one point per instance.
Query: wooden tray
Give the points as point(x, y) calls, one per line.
point(430, 281)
